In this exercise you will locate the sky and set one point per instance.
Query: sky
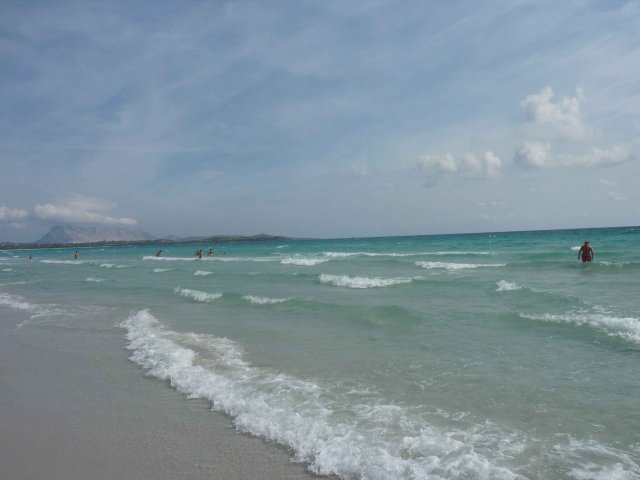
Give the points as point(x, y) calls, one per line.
point(319, 118)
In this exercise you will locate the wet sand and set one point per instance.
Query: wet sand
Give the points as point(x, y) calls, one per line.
point(71, 408)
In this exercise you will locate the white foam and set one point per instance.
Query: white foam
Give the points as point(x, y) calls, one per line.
point(393, 254)
point(308, 262)
point(160, 270)
point(16, 302)
point(112, 265)
point(202, 273)
point(240, 259)
point(504, 286)
point(7, 269)
point(282, 246)
point(197, 295)
point(218, 258)
point(373, 441)
point(612, 463)
point(459, 253)
point(456, 266)
point(264, 300)
point(169, 259)
point(361, 282)
point(94, 279)
point(623, 327)
point(63, 262)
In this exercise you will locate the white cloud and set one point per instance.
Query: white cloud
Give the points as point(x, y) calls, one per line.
point(81, 209)
point(533, 154)
point(564, 116)
point(439, 163)
point(470, 165)
point(599, 157)
point(537, 155)
point(10, 215)
point(492, 164)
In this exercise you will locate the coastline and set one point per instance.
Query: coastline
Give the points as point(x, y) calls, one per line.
point(71, 409)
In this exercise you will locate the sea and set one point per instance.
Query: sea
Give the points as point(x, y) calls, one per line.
point(492, 355)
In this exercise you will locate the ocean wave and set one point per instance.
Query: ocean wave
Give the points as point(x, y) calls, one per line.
point(202, 273)
point(160, 270)
point(113, 265)
point(16, 302)
point(504, 286)
point(264, 300)
point(456, 266)
point(307, 262)
point(197, 295)
point(64, 262)
point(240, 259)
point(627, 328)
point(361, 282)
point(394, 254)
point(169, 259)
point(7, 269)
point(315, 421)
point(613, 463)
point(94, 280)
point(35, 311)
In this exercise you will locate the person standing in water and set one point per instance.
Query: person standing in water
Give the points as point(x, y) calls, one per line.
point(75, 255)
point(586, 252)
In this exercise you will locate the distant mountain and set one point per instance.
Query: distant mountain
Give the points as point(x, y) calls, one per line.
point(63, 234)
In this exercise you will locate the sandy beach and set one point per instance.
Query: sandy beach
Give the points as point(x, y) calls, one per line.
point(74, 410)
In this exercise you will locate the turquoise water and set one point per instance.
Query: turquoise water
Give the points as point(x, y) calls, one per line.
point(459, 356)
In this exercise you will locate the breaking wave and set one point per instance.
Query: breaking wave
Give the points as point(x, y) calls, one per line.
point(456, 266)
point(264, 300)
point(367, 438)
point(197, 295)
point(361, 282)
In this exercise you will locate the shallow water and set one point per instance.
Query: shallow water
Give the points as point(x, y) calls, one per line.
point(458, 356)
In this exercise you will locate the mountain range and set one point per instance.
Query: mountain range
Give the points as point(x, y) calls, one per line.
point(79, 235)
point(63, 234)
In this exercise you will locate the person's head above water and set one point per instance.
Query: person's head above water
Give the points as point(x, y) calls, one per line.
point(586, 242)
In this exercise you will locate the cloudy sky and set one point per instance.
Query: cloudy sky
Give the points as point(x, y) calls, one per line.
point(319, 118)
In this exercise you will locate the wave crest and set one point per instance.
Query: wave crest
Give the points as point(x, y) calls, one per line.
point(264, 300)
point(310, 418)
point(456, 266)
point(197, 295)
point(361, 282)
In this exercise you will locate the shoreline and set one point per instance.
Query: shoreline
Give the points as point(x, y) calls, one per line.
point(74, 410)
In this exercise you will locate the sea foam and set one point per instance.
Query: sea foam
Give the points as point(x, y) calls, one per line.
point(16, 302)
point(197, 295)
point(504, 286)
point(627, 328)
point(307, 262)
point(169, 259)
point(311, 419)
point(264, 300)
point(456, 266)
point(202, 273)
point(94, 280)
point(63, 262)
point(361, 282)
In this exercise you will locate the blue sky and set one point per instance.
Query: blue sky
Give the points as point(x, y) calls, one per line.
point(319, 118)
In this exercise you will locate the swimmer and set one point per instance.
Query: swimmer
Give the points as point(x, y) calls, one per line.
point(586, 252)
